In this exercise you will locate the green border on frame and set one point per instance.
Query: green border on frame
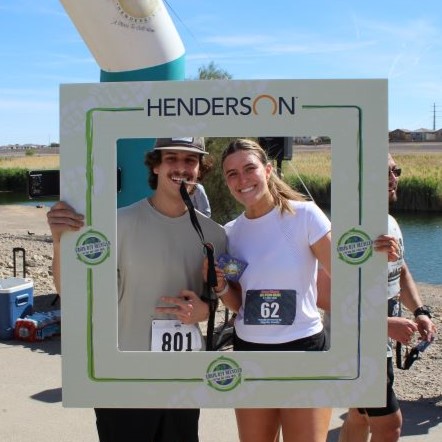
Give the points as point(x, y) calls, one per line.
point(90, 297)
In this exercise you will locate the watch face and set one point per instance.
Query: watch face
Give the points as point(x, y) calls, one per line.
point(424, 310)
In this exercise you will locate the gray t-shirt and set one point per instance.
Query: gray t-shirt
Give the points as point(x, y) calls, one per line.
point(157, 256)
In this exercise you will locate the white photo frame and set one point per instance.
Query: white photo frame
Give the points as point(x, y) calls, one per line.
point(352, 373)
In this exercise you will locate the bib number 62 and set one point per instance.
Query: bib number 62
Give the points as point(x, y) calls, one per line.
point(269, 310)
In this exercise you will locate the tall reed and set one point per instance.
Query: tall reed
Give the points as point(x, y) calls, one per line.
point(420, 185)
point(30, 162)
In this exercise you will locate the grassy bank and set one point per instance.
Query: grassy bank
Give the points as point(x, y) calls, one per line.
point(14, 169)
point(30, 162)
point(420, 186)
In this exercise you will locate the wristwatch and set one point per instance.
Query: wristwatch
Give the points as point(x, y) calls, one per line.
point(423, 310)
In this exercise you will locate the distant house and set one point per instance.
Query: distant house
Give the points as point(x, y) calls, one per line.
point(419, 135)
point(308, 140)
point(400, 135)
point(424, 135)
point(302, 140)
point(30, 146)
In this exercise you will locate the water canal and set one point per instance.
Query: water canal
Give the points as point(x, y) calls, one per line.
point(422, 236)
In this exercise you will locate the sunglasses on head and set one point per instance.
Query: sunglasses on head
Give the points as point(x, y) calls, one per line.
point(396, 171)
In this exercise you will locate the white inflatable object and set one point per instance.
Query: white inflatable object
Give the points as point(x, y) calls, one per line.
point(126, 35)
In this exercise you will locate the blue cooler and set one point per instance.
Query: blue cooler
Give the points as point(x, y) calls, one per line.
point(16, 301)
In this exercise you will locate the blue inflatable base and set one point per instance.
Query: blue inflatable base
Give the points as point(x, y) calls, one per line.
point(131, 152)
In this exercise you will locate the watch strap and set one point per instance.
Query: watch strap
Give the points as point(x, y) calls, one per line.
point(423, 310)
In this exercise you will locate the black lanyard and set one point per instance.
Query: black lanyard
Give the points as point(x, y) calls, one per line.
point(208, 296)
point(398, 344)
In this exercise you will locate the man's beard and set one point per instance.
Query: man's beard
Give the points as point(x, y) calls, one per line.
point(392, 196)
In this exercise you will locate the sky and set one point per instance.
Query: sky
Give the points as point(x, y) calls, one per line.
point(316, 39)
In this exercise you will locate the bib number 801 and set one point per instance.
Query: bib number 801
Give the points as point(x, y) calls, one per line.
point(176, 342)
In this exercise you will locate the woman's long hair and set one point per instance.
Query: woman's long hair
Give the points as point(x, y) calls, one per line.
point(281, 192)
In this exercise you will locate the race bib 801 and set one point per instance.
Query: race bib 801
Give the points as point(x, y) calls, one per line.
point(171, 335)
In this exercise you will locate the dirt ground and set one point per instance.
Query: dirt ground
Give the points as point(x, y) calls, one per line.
point(23, 219)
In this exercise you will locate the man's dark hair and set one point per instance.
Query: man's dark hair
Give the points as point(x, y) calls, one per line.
point(154, 157)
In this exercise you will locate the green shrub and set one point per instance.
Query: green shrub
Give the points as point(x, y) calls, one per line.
point(224, 206)
point(13, 180)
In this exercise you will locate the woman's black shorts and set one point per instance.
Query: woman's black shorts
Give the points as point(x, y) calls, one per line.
point(317, 342)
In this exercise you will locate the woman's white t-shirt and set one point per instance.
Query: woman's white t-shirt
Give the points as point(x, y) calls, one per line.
point(279, 283)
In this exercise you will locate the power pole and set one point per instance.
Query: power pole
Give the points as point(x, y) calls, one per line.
point(435, 115)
